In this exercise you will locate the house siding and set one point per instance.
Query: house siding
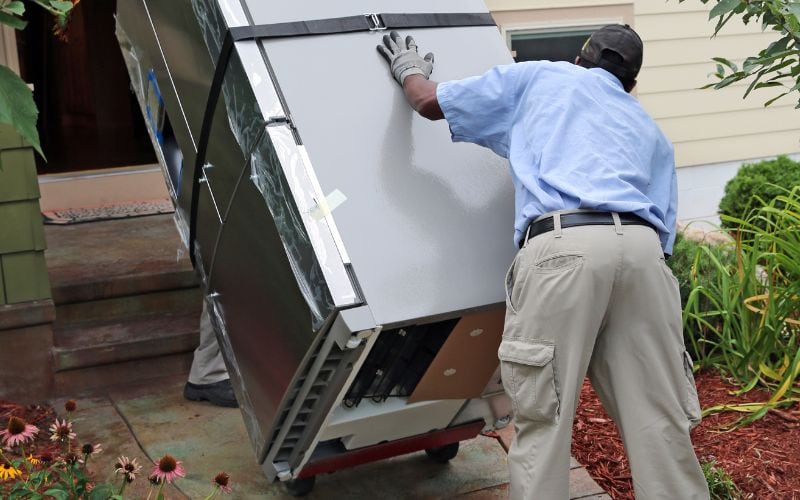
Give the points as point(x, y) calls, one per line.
point(708, 126)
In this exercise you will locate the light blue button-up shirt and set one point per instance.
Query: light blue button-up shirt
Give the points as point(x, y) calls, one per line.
point(574, 139)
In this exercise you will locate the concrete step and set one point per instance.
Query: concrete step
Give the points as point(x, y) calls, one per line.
point(118, 308)
point(127, 303)
point(86, 345)
point(98, 379)
point(116, 258)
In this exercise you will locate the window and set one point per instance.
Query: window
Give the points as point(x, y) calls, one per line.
point(552, 42)
point(553, 46)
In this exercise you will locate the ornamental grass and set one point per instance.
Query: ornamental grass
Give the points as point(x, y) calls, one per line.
point(745, 321)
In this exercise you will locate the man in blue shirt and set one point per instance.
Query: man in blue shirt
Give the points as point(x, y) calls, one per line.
point(589, 291)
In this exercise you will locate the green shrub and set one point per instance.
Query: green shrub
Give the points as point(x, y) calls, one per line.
point(764, 180)
point(720, 483)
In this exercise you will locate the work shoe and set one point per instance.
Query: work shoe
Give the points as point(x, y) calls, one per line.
point(218, 394)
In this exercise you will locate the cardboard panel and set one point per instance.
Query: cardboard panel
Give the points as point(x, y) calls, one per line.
point(466, 362)
point(25, 277)
point(18, 179)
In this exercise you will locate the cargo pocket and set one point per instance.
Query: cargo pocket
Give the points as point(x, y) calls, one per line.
point(528, 373)
point(691, 404)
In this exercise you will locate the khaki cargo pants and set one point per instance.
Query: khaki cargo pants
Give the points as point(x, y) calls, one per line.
point(598, 299)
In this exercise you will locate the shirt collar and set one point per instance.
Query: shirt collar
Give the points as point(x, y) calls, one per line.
point(608, 76)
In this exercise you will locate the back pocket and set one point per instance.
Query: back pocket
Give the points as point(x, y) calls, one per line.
point(528, 373)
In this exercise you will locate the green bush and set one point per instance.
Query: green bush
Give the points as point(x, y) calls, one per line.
point(764, 180)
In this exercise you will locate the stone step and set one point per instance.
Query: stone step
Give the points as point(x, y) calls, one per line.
point(97, 379)
point(128, 306)
point(116, 258)
point(86, 345)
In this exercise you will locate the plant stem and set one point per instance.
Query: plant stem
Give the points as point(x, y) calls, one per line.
point(160, 488)
point(25, 461)
point(72, 480)
point(124, 484)
point(5, 459)
point(213, 492)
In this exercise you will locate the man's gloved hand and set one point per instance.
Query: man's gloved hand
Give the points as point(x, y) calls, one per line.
point(403, 58)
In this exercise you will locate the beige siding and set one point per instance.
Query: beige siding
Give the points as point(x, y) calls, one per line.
point(501, 5)
point(8, 48)
point(708, 126)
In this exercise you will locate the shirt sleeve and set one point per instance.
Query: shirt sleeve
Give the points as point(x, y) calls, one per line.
point(481, 109)
point(671, 216)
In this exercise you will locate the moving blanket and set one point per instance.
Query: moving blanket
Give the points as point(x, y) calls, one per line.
point(320, 190)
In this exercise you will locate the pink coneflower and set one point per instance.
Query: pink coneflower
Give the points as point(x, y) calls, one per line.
point(91, 449)
point(222, 481)
point(18, 431)
point(127, 467)
point(168, 469)
point(72, 459)
point(61, 431)
point(70, 406)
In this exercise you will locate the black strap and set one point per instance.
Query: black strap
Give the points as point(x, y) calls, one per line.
point(350, 24)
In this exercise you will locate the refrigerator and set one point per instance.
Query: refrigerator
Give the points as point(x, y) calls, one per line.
point(351, 255)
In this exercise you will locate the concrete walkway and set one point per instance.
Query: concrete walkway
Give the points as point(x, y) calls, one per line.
point(148, 421)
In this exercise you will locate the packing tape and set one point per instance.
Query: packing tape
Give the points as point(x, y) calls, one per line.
point(328, 204)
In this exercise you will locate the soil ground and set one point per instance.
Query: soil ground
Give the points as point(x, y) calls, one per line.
point(762, 458)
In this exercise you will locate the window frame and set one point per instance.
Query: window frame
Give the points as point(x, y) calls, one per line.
point(545, 27)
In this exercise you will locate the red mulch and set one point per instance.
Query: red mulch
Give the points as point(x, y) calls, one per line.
point(762, 458)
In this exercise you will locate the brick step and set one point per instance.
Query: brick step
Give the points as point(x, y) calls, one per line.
point(86, 345)
point(188, 300)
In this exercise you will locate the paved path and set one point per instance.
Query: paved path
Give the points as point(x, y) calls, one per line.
point(148, 421)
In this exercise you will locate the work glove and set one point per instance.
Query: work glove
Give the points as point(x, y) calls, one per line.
point(403, 58)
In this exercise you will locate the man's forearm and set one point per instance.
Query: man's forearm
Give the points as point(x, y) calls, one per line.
point(421, 95)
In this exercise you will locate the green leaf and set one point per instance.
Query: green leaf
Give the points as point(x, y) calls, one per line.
point(774, 99)
point(14, 22)
point(723, 7)
point(57, 493)
point(794, 9)
point(101, 492)
point(726, 62)
point(17, 107)
point(15, 7)
point(61, 6)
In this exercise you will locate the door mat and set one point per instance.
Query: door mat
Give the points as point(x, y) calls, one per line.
point(108, 212)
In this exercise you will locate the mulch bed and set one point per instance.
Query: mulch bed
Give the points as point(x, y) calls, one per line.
point(763, 458)
point(38, 415)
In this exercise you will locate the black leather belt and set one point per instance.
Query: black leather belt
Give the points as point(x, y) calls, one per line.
point(583, 219)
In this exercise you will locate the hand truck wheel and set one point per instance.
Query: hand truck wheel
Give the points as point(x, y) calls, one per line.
point(300, 487)
point(443, 454)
